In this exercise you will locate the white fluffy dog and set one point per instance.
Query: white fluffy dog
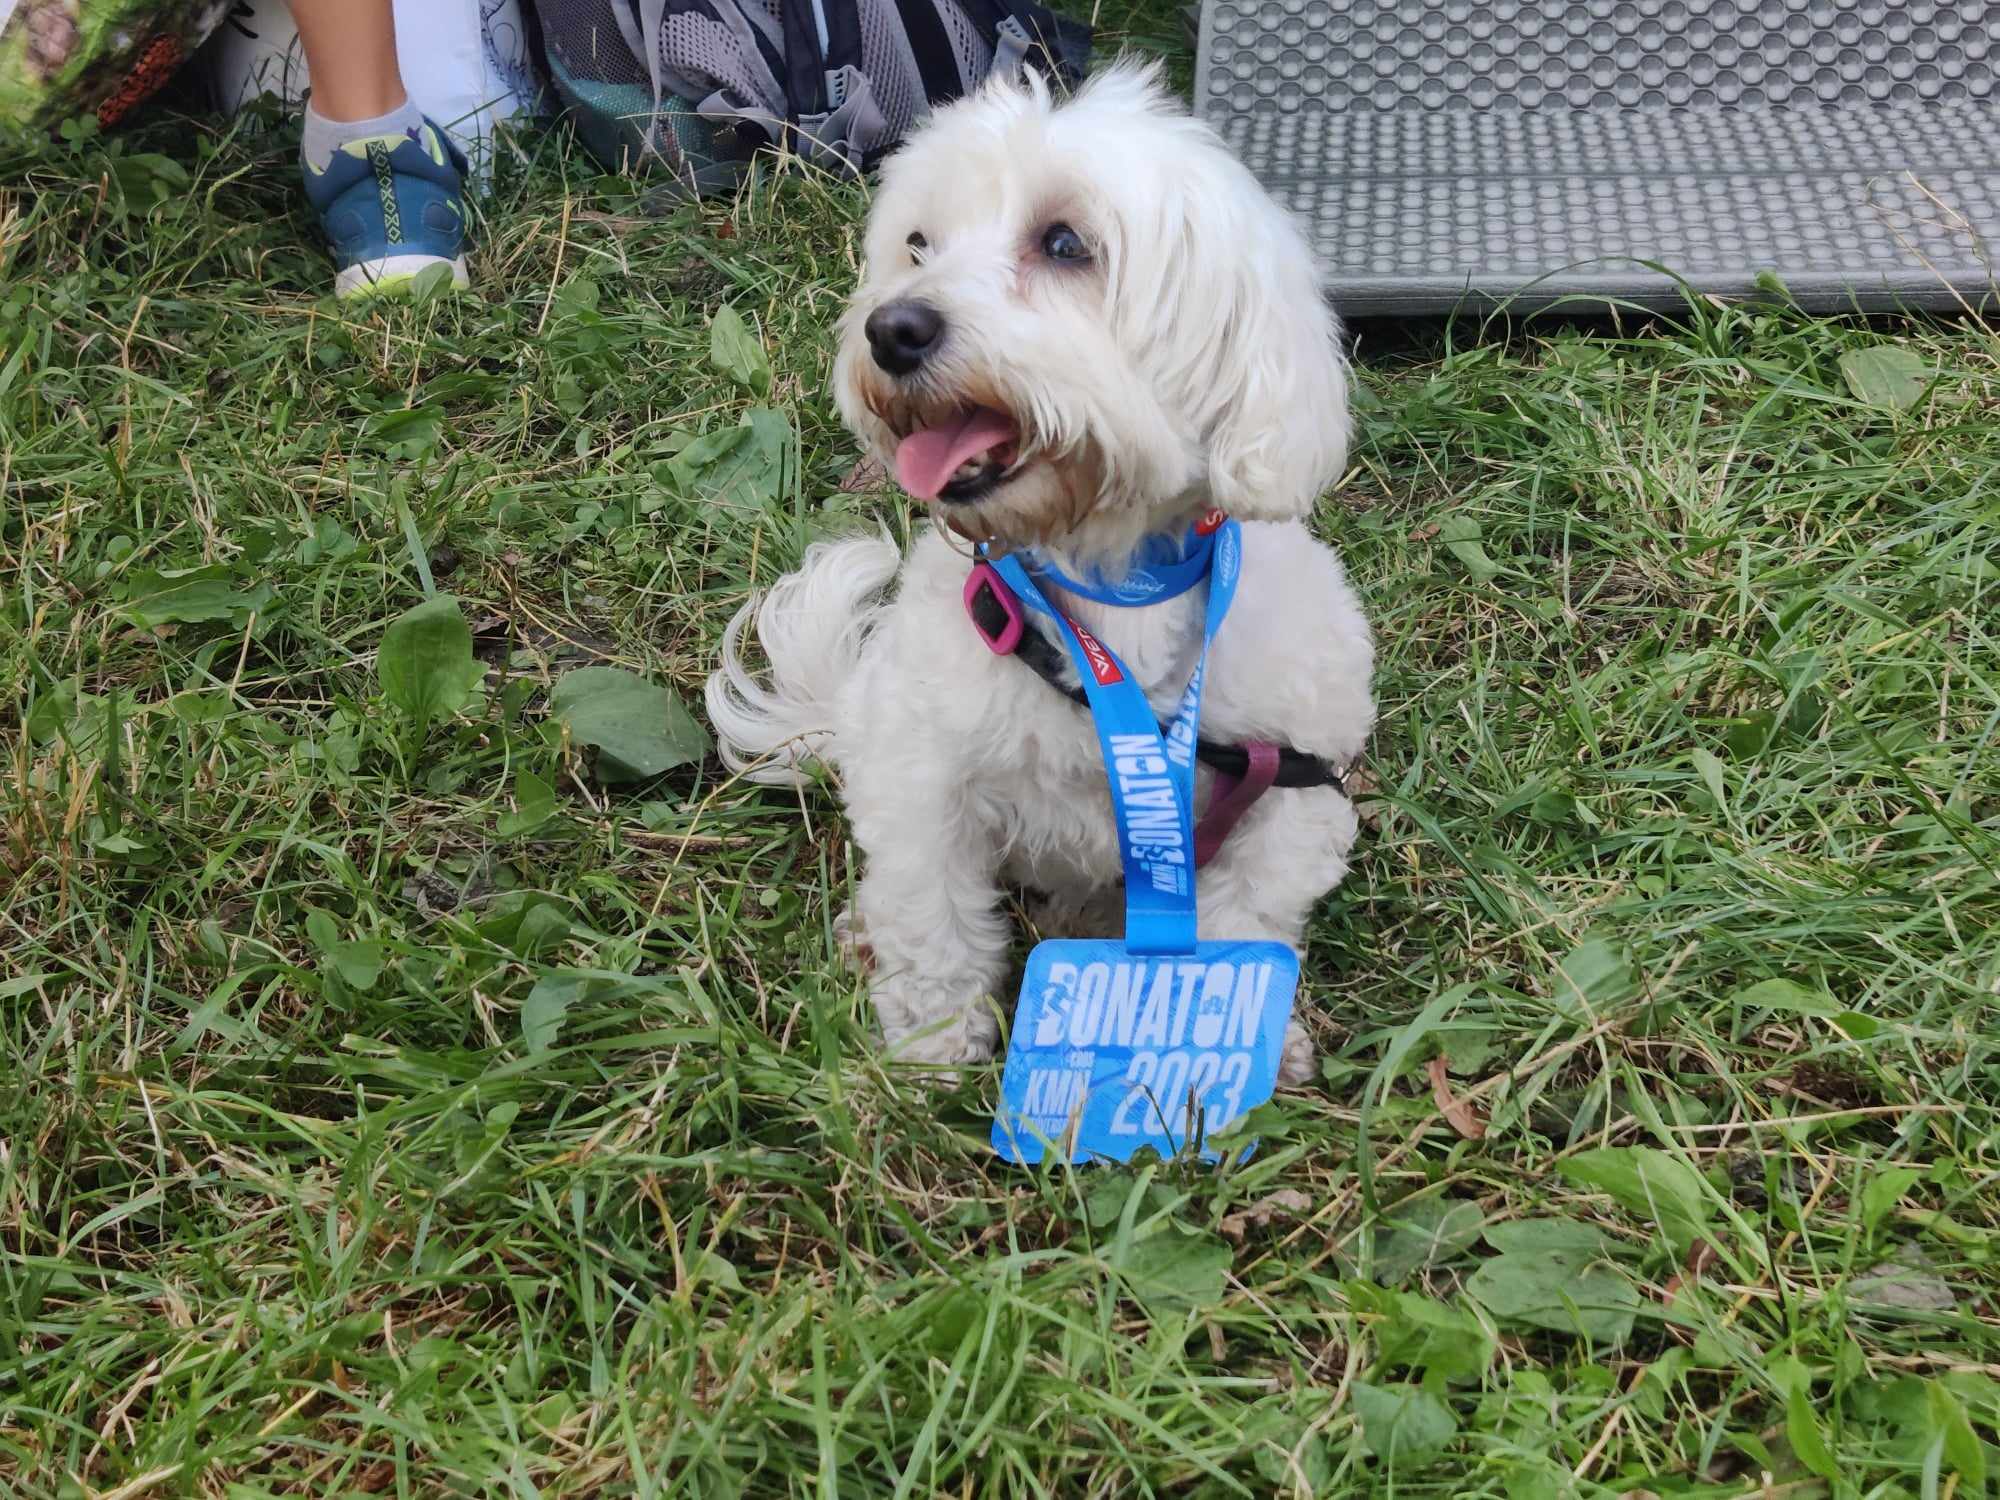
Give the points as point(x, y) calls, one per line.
point(1082, 324)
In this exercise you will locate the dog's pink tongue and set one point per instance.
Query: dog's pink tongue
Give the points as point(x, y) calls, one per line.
point(928, 457)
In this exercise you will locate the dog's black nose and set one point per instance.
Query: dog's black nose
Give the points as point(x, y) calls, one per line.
point(901, 335)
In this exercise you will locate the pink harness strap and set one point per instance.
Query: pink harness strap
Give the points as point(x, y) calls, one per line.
point(1232, 797)
point(996, 614)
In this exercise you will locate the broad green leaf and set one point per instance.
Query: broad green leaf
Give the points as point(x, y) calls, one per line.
point(1422, 1333)
point(123, 845)
point(1749, 733)
point(53, 711)
point(541, 929)
point(193, 707)
point(425, 661)
point(1461, 537)
point(1649, 1395)
point(190, 595)
point(479, 1137)
point(534, 805)
point(773, 449)
point(1563, 1240)
point(1802, 1432)
point(528, 922)
point(1417, 1236)
point(1170, 1270)
point(358, 964)
point(1294, 1455)
point(1552, 1275)
point(580, 294)
point(476, 386)
point(736, 351)
point(1648, 1183)
point(1784, 995)
point(748, 466)
point(1558, 810)
point(1962, 1447)
point(706, 1265)
point(431, 282)
point(1595, 978)
point(147, 177)
point(638, 728)
point(1883, 1192)
point(1467, 1048)
point(321, 929)
point(410, 433)
point(1710, 769)
point(547, 1004)
point(557, 992)
point(1595, 1303)
point(1402, 1421)
point(1857, 1027)
point(1104, 1202)
point(342, 750)
point(947, 1316)
point(696, 458)
point(60, 707)
point(1902, 1403)
point(1886, 376)
point(163, 169)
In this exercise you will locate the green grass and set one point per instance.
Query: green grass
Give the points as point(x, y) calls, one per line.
point(1682, 874)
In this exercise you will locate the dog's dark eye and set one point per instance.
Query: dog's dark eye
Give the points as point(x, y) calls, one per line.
point(1060, 242)
point(918, 244)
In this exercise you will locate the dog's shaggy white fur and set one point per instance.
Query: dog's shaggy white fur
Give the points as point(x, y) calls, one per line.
point(1184, 360)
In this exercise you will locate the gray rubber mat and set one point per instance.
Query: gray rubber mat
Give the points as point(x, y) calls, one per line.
point(1449, 154)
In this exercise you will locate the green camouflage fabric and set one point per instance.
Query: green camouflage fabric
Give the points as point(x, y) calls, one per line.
point(63, 58)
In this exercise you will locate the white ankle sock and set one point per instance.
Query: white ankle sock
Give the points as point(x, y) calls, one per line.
point(323, 137)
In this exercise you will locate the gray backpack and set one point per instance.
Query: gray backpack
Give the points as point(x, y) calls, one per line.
point(694, 88)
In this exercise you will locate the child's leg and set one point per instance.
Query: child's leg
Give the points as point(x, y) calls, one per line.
point(350, 50)
point(387, 184)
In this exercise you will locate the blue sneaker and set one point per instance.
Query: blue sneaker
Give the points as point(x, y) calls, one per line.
point(392, 206)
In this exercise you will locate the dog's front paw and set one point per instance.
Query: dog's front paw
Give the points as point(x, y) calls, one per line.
point(927, 1027)
point(1297, 1063)
point(852, 943)
point(941, 1050)
point(946, 1044)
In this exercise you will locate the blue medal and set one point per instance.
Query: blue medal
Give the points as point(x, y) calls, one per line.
point(1153, 1040)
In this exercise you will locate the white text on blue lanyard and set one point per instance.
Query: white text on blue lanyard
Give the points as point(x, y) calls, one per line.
point(1151, 774)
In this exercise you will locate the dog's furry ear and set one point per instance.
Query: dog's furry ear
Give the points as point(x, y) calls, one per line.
point(1278, 423)
point(1242, 332)
point(1281, 427)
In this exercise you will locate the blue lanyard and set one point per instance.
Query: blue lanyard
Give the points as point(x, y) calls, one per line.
point(1151, 775)
point(1163, 570)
